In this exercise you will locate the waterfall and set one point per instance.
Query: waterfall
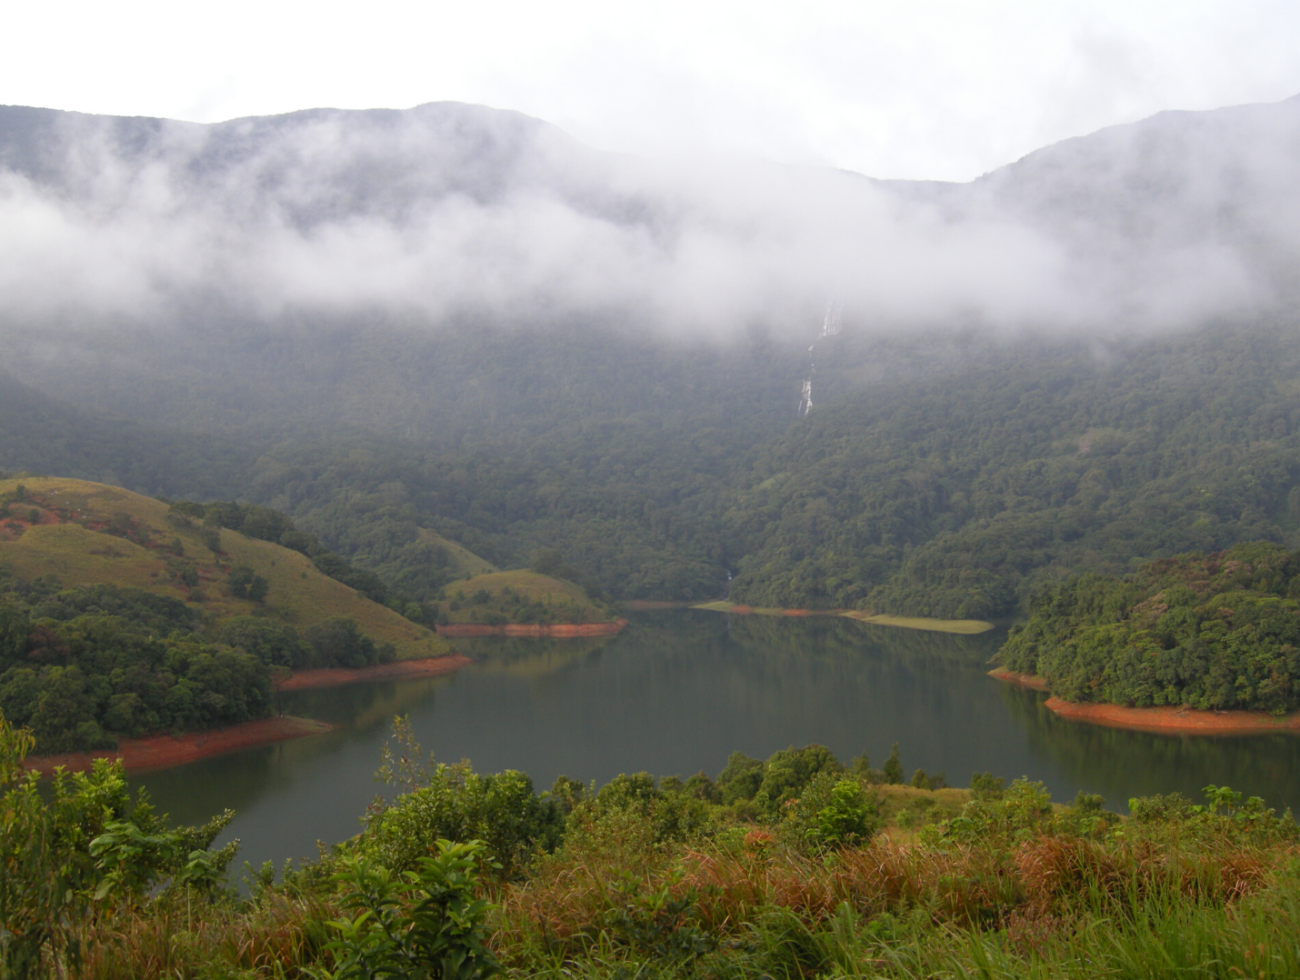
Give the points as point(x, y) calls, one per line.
point(832, 321)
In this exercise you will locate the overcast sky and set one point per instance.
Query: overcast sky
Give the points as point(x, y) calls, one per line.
point(919, 89)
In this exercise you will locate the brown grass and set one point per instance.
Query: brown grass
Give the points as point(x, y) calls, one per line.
point(276, 939)
point(1035, 889)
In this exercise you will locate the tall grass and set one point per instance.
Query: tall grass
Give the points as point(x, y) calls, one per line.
point(277, 937)
point(1051, 906)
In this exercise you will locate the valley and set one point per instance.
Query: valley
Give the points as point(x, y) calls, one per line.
point(705, 495)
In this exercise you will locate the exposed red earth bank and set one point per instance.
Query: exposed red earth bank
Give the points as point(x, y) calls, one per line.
point(1169, 719)
point(1175, 720)
point(166, 750)
point(163, 751)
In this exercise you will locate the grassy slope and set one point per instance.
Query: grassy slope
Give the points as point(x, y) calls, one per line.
point(467, 563)
point(553, 592)
point(299, 594)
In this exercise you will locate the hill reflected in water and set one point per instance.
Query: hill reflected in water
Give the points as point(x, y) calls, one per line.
point(678, 691)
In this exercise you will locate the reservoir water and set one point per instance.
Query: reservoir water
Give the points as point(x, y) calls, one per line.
point(675, 693)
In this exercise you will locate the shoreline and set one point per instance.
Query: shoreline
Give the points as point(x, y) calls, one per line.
point(962, 627)
point(398, 670)
point(1031, 681)
point(165, 751)
point(723, 606)
point(1162, 719)
point(966, 627)
point(566, 630)
point(1170, 719)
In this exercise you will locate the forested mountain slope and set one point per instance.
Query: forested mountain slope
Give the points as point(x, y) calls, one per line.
point(121, 615)
point(46, 435)
point(1216, 632)
point(956, 495)
point(459, 322)
point(952, 488)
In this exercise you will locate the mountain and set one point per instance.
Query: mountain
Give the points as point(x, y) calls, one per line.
point(1181, 194)
point(450, 326)
point(47, 435)
point(449, 212)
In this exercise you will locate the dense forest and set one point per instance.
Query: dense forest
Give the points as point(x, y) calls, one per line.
point(1221, 631)
point(959, 495)
point(938, 475)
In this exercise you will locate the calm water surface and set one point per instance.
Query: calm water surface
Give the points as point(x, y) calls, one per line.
point(675, 693)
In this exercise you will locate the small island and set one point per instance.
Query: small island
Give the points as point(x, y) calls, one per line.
point(524, 603)
point(1194, 644)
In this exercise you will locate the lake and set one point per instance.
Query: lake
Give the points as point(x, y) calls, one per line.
point(675, 693)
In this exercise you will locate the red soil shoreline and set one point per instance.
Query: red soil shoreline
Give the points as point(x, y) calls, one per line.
point(533, 629)
point(398, 670)
point(1171, 719)
point(164, 751)
point(1032, 681)
point(1166, 719)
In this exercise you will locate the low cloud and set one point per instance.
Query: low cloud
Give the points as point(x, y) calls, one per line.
point(449, 209)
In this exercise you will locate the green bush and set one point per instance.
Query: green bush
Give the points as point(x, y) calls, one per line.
point(458, 804)
point(424, 924)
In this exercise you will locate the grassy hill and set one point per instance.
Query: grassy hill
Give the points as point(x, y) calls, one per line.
point(464, 561)
point(91, 534)
point(522, 597)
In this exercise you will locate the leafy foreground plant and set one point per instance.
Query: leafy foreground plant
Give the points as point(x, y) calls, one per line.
point(425, 924)
point(83, 851)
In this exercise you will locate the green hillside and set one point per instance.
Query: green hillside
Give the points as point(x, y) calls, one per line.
point(959, 493)
point(91, 534)
point(461, 559)
point(939, 477)
point(1219, 632)
point(522, 597)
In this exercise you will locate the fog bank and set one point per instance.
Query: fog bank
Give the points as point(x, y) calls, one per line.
point(450, 209)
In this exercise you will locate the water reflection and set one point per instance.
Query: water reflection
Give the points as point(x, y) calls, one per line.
point(1120, 764)
point(678, 691)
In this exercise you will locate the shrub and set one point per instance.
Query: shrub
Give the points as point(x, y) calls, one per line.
point(740, 779)
point(458, 804)
point(339, 642)
point(246, 584)
point(789, 771)
point(425, 923)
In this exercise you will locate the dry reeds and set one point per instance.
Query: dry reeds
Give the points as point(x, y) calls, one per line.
point(277, 939)
point(1037, 891)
